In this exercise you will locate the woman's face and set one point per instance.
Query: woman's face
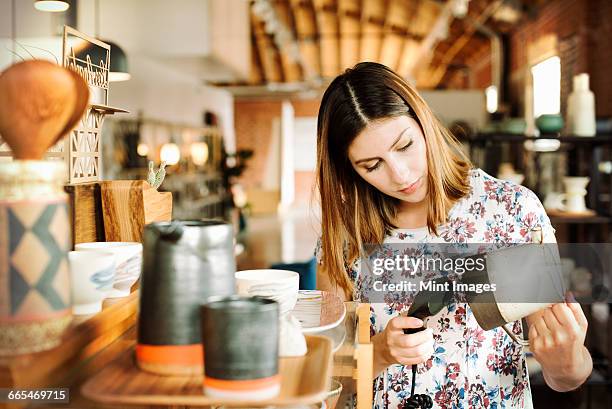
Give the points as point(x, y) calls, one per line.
point(390, 155)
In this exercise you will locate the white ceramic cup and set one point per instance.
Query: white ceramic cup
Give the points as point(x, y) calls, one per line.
point(129, 263)
point(281, 286)
point(555, 200)
point(92, 275)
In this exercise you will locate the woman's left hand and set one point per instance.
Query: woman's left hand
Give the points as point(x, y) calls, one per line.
point(556, 338)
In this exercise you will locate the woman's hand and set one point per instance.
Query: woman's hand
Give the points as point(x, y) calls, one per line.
point(392, 346)
point(556, 338)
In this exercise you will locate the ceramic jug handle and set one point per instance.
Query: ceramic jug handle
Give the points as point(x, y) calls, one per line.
point(515, 337)
point(172, 232)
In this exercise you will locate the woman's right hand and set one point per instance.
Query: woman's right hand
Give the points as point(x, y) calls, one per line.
point(392, 346)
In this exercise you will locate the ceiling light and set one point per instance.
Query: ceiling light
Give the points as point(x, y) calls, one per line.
point(118, 70)
point(54, 6)
point(170, 153)
point(199, 153)
point(118, 64)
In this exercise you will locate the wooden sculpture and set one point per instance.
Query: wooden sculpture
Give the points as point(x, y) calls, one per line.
point(40, 102)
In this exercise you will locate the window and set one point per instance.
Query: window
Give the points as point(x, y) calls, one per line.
point(547, 87)
point(492, 98)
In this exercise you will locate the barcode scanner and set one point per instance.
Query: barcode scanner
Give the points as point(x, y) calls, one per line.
point(425, 304)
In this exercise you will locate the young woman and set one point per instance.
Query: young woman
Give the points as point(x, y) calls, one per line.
point(389, 172)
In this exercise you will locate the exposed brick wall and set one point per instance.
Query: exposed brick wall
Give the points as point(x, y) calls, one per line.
point(306, 107)
point(599, 38)
point(253, 122)
point(583, 32)
point(482, 76)
point(583, 29)
point(565, 18)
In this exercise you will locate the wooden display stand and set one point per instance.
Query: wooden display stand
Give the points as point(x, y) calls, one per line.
point(364, 357)
point(85, 212)
point(115, 210)
point(128, 205)
point(304, 381)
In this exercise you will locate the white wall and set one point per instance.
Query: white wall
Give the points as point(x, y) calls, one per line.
point(168, 49)
point(151, 27)
point(452, 105)
point(32, 28)
point(305, 144)
point(287, 181)
point(161, 93)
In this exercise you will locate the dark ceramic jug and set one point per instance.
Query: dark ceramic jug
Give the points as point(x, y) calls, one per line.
point(184, 263)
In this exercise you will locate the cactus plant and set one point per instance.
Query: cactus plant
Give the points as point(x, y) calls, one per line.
point(156, 177)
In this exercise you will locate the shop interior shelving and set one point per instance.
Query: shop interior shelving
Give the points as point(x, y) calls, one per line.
point(584, 156)
point(198, 191)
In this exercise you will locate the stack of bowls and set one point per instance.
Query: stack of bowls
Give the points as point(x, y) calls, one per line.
point(281, 286)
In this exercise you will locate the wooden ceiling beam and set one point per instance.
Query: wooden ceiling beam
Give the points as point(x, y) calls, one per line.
point(268, 53)
point(256, 75)
point(458, 44)
point(396, 30)
point(373, 21)
point(326, 12)
point(290, 63)
point(307, 37)
point(417, 50)
point(349, 21)
point(436, 30)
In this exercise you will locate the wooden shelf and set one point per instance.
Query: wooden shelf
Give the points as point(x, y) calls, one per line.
point(85, 338)
point(107, 109)
point(506, 137)
point(597, 219)
point(304, 380)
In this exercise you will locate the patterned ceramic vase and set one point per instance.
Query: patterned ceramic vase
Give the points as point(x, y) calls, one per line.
point(35, 300)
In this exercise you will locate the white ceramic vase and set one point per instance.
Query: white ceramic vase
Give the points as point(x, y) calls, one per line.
point(581, 108)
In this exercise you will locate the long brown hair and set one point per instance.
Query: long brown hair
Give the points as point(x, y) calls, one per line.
point(352, 211)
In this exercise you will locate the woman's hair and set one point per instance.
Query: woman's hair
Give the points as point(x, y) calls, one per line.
point(352, 211)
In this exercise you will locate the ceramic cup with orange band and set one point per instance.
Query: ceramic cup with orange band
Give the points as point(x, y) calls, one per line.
point(240, 336)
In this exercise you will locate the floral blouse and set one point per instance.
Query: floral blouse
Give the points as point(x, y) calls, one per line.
point(470, 367)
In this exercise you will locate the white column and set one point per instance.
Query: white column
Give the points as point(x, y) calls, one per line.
point(287, 193)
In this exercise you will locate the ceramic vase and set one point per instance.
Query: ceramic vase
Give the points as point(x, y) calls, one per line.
point(581, 108)
point(35, 294)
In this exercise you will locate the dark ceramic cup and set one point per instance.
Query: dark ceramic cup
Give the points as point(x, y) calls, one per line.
point(184, 263)
point(240, 338)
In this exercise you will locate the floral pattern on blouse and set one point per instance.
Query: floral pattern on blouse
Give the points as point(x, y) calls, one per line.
point(470, 367)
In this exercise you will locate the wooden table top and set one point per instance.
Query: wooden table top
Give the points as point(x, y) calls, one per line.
point(105, 346)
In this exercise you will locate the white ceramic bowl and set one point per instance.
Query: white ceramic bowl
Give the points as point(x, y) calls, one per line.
point(92, 275)
point(129, 263)
point(279, 285)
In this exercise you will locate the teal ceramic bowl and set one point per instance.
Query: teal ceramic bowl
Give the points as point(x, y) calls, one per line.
point(514, 126)
point(549, 123)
